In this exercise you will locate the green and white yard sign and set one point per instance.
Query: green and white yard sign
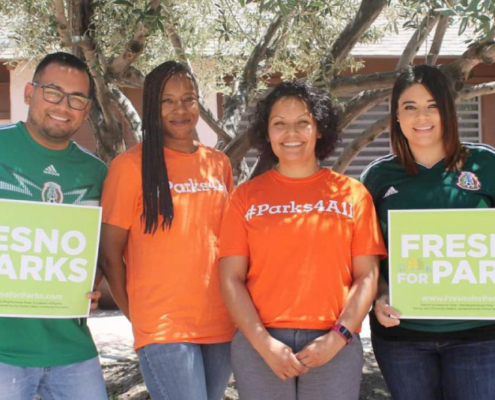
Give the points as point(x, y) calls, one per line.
point(442, 263)
point(48, 255)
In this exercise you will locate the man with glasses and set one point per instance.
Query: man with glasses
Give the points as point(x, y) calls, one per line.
point(55, 358)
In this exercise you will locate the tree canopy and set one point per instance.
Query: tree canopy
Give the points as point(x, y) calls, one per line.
point(236, 46)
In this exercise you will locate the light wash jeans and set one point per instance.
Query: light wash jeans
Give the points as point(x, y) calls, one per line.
point(185, 371)
point(78, 381)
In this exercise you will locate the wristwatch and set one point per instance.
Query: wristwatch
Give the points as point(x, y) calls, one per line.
point(343, 331)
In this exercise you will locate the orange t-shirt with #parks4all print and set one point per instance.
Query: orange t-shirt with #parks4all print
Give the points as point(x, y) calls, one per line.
point(300, 236)
point(172, 275)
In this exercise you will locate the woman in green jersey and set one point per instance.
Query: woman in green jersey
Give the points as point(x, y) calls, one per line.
point(430, 169)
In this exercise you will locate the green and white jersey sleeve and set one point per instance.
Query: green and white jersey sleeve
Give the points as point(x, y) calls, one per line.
point(31, 172)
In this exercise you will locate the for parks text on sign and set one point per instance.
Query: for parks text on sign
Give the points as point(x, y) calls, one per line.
point(442, 263)
point(48, 258)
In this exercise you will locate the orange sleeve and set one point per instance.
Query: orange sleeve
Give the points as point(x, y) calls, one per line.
point(367, 237)
point(121, 192)
point(233, 233)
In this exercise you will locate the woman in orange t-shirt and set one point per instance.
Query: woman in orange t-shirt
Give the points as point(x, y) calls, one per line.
point(299, 249)
point(162, 205)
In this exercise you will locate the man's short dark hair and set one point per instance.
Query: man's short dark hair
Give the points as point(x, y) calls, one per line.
point(66, 60)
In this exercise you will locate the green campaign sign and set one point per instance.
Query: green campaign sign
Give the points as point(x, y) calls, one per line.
point(442, 263)
point(48, 255)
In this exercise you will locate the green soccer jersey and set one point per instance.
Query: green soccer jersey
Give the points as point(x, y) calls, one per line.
point(31, 172)
point(433, 188)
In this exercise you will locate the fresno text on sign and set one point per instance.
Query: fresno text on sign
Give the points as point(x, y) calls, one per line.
point(45, 254)
point(457, 248)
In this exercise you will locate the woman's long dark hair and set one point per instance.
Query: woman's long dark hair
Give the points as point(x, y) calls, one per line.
point(439, 86)
point(157, 199)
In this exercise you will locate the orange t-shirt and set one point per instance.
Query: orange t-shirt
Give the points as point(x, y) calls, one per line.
point(300, 236)
point(172, 275)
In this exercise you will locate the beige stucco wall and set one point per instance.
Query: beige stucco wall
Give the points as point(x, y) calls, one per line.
point(22, 74)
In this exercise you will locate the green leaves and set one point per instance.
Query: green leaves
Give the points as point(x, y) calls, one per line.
point(463, 25)
point(123, 3)
point(479, 15)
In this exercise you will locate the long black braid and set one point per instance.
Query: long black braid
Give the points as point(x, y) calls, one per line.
point(157, 198)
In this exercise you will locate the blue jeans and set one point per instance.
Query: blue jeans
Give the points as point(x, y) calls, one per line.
point(81, 381)
point(443, 370)
point(185, 371)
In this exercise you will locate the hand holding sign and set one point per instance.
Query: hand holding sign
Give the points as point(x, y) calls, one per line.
point(386, 315)
point(94, 297)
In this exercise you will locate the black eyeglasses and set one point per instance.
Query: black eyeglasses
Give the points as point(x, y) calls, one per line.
point(55, 96)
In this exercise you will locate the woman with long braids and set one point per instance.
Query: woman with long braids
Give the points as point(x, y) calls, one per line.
point(162, 205)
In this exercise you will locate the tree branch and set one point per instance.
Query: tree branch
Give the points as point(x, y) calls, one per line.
point(249, 74)
point(128, 111)
point(490, 36)
point(358, 83)
point(213, 122)
point(237, 103)
point(83, 42)
point(460, 69)
point(132, 78)
point(112, 138)
point(359, 104)
point(383, 80)
point(63, 27)
point(417, 39)
point(237, 148)
point(477, 90)
point(358, 144)
point(271, 52)
point(133, 48)
point(174, 36)
point(243, 171)
point(368, 11)
point(261, 166)
point(241, 29)
point(436, 45)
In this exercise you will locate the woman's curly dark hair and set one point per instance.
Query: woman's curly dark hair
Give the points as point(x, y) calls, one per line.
point(319, 104)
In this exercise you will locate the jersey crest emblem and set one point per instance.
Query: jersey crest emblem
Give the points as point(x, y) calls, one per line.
point(52, 193)
point(469, 181)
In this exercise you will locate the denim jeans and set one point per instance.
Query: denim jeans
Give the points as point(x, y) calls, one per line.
point(78, 381)
point(185, 371)
point(339, 379)
point(443, 370)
